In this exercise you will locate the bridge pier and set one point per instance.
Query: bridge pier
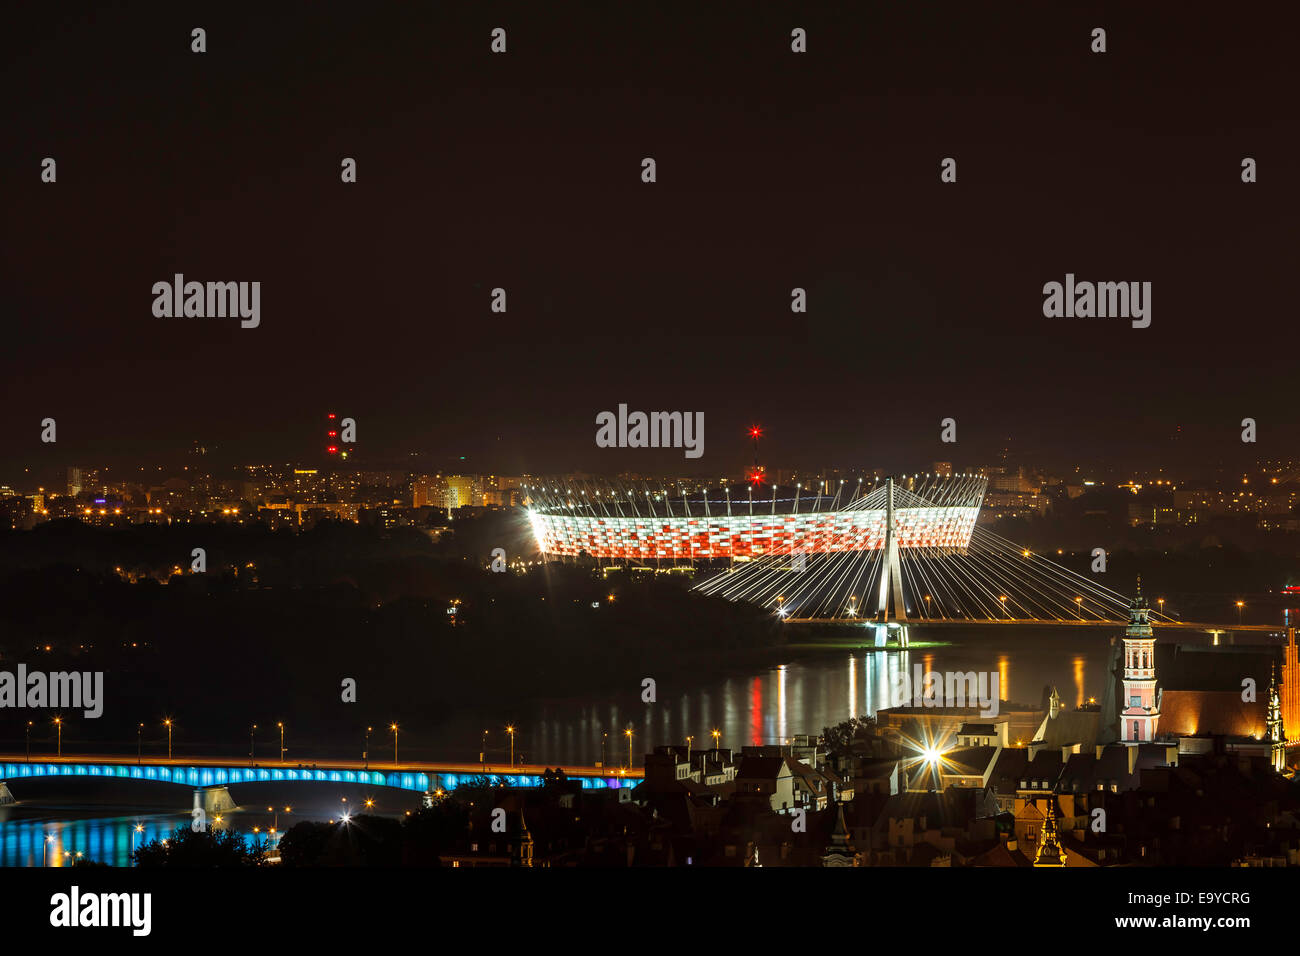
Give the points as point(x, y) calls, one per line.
point(884, 629)
point(213, 800)
point(6, 795)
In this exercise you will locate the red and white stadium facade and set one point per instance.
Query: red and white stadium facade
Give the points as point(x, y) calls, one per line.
point(746, 536)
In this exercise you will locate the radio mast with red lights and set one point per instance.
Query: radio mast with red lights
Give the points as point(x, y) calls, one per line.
point(332, 435)
point(757, 475)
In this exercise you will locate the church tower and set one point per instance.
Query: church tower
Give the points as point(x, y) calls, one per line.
point(1139, 711)
point(1050, 852)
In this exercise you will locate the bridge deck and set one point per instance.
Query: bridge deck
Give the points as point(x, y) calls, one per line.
point(383, 766)
point(932, 622)
point(224, 771)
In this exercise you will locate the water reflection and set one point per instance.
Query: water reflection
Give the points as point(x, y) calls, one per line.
point(764, 706)
point(47, 840)
point(805, 696)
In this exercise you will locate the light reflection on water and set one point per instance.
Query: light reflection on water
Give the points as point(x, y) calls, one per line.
point(23, 839)
point(771, 705)
point(763, 706)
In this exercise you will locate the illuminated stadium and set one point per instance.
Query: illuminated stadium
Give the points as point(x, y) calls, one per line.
point(888, 552)
point(627, 524)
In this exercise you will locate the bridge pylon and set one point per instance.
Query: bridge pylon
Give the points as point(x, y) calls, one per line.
point(891, 611)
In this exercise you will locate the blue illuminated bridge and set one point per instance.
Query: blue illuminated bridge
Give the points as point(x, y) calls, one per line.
point(215, 772)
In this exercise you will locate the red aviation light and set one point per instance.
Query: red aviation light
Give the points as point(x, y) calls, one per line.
point(755, 477)
point(333, 449)
point(332, 415)
point(756, 432)
point(332, 434)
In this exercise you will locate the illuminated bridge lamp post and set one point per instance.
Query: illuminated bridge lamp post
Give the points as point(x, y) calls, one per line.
point(1240, 605)
point(853, 605)
point(1078, 607)
point(511, 731)
point(689, 741)
point(281, 726)
point(44, 847)
point(251, 747)
point(168, 724)
point(717, 738)
point(139, 745)
point(1003, 599)
point(135, 832)
point(927, 605)
point(1161, 602)
point(58, 726)
point(482, 753)
point(628, 733)
point(29, 741)
point(394, 728)
point(365, 754)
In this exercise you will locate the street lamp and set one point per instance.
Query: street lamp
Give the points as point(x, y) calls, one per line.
point(135, 831)
point(168, 724)
point(482, 754)
point(689, 741)
point(394, 728)
point(250, 745)
point(139, 744)
point(365, 754)
point(717, 736)
point(628, 734)
point(58, 723)
point(1161, 602)
point(511, 731)
point(1240, 605)
point(45, 846)
point(29, 741)
point(281, 726)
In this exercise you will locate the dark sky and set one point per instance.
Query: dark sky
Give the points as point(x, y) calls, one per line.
point(775, 170)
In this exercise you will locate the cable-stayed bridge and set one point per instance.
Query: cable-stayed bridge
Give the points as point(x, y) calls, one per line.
point(901, 552)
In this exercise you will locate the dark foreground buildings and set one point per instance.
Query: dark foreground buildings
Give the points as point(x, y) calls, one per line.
point(1183, 762)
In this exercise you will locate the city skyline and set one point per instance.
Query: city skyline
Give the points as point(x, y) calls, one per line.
point(631, 437)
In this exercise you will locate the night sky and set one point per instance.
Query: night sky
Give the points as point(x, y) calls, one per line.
point(522, 170)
